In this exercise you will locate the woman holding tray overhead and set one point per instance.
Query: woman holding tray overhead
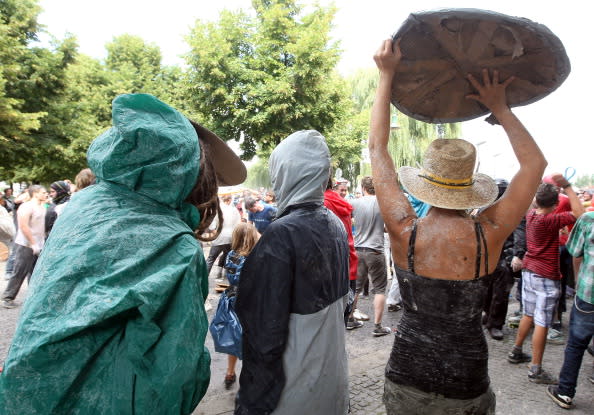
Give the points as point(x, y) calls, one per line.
point(439, 358)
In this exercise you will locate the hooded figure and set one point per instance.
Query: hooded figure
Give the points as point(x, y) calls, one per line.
point(293, 293)
point(115, 320)
point(60, 192)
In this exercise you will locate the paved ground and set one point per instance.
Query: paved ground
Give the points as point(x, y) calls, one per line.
point(367, 358)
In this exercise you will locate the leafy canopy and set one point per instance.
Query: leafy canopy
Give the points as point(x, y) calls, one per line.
point(258, 78)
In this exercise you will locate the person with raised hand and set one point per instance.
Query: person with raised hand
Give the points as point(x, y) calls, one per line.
point(439, 358)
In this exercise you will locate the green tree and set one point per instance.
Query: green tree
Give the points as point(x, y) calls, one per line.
point(261, 78)
point(258, 175)
point(408, 137)
point(585, 181)
point(134, 66)
point(18, 28)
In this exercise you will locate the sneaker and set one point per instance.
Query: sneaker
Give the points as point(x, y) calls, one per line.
point(357, 315)
point(9, 304)
point(394, 307)
point(555, 337)
point(543, 377)
point(591, 378)
point(591, 350)
point(562, 400)
point(520, 357)
point(381, 331)
point(496, 334)
point(353, 324)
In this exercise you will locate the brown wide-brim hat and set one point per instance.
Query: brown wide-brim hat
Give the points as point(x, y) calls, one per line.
point(229, 168)
point(446, 179)
point(440, 48)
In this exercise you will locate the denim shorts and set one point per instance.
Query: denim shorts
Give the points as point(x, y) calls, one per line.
point(539, 297)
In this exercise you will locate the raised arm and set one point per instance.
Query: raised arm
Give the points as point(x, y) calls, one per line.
point(507, 212)
point(577, 208)
point(394, 206)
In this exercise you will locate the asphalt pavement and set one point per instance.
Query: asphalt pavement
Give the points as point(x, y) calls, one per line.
point(367, 358)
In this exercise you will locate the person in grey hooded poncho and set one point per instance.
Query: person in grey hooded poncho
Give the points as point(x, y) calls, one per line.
point(293, 293)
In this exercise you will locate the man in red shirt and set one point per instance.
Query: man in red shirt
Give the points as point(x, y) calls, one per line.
point(344, 210)
point(540, 274)
point(555, 335)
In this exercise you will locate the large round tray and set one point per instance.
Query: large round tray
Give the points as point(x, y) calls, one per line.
point(439, 48)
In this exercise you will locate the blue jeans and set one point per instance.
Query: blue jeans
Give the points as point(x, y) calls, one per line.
point(581, 329)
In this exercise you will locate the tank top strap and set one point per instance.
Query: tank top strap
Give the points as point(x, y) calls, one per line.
point(411, 247)
point(481, 242)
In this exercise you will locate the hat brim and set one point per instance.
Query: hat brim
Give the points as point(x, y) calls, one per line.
point(482, 193)
point(229, 168)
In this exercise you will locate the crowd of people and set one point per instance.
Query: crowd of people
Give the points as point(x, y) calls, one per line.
point(115, 314)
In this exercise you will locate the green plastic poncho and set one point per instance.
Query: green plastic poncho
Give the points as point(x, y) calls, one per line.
point(114, 322)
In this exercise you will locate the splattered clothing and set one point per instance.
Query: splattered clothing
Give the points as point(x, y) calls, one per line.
point(439, 348)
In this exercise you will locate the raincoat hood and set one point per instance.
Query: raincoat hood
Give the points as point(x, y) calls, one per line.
point(152, 149)
point(299, 169)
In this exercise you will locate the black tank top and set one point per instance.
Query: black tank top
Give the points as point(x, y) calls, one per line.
point(440, 346)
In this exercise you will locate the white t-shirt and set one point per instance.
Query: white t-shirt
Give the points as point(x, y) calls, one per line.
point(231, 218)
point(36, 215)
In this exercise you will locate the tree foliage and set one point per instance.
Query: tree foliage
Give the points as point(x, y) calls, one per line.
point(261, 78)
point(408, 137)
point(54, 101)
point(18, 27)
point(585, 181)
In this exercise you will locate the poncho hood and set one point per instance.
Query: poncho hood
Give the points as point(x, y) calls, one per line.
point(299, 169)
point(152, 149)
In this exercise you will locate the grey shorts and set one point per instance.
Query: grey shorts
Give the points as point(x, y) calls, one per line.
point(372, 264)
point(406, 400)
point(539, 297)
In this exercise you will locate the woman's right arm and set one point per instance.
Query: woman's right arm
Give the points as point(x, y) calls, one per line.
point(394, 206)
point(507, 212)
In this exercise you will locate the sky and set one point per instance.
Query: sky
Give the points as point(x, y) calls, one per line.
point(559, 122)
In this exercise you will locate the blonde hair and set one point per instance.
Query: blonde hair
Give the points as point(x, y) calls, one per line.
point(245, 236)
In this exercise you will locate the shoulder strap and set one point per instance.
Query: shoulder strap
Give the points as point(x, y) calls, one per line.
point(481, 241)
point(411, 247)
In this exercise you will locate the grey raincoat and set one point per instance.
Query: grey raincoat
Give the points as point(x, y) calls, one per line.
point(293, 293)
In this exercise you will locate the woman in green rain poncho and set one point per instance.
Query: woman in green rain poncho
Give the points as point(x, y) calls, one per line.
point(115, 322)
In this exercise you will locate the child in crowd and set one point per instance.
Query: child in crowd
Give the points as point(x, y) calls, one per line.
point(245, 236)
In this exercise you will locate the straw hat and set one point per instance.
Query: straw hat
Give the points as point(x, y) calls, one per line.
point(446, 179)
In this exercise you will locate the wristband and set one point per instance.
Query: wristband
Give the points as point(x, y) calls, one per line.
point(565, 186)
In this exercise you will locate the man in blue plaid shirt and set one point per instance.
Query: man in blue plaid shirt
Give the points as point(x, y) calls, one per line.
point(581, 323)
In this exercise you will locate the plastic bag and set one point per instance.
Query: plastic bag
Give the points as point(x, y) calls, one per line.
point(225, 327)
point(7, 230)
